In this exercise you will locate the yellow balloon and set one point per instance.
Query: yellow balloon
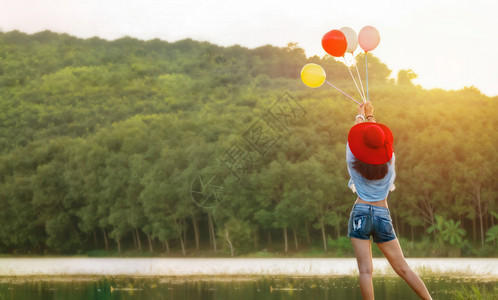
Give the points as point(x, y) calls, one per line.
point(313, 75)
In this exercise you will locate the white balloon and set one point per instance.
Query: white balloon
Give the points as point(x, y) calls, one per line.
point(351, 38)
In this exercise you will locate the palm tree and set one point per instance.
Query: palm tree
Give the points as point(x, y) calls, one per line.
point(492, 234)
point(452, 232)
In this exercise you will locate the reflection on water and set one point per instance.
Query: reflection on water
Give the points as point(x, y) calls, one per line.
point(240, 288)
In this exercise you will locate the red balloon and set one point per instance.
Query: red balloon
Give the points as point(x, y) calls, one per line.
point(334, 43)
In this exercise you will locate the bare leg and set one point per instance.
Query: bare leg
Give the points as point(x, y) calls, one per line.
point(363, 251)
point(392, 251)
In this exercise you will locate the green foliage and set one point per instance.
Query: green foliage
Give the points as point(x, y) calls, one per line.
point(100, 142)
point(238, 233)
point(475, 292)
point(453, 233)
point(492, 234)
point(340, 247)
point(438, 228)
point(447, 231)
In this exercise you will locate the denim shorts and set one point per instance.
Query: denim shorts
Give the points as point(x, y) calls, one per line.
point(369, 220)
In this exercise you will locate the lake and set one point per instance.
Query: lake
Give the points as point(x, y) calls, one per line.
point(238, 278)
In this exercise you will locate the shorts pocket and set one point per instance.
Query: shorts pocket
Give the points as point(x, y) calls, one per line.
point(385, 224)
point(359, 222)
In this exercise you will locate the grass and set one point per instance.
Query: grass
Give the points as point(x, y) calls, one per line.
point(475, 292)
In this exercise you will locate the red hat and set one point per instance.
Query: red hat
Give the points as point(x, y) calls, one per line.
point(372, 143)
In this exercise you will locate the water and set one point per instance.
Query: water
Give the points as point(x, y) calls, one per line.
point(388, 288)
point(240, 279)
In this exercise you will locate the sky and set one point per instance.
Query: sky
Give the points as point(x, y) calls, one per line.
point(449, 44)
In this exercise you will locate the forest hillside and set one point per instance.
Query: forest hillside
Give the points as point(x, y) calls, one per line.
point(131, 146)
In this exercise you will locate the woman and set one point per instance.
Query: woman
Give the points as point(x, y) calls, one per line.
point(370, 159)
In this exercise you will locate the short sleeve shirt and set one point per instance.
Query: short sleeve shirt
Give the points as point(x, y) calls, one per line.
point(370, 190)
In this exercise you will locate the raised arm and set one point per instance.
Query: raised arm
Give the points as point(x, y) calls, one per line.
point(365, 113)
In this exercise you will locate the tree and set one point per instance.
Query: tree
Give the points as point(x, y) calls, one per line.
point(492, 233)
point(437, 228)
point(477, 181)
point(453, 233)
point(378, 72)
point(405, 77)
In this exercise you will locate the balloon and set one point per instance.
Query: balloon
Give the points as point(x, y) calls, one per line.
point(368, 38)
point(313, 75)
point(351, 38)
point(334, 43)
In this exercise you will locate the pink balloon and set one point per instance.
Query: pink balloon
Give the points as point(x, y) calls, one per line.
point(368, 38)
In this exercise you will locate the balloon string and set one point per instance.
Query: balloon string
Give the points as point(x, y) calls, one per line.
point(366, 67)
point(359, 79)
point(361, 95)
point(341, 91)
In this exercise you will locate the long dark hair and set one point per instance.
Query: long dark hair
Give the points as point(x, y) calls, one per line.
point(370, 172)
